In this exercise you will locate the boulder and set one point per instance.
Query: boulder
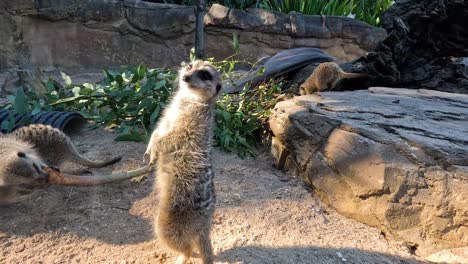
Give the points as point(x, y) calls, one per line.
point(395, 159)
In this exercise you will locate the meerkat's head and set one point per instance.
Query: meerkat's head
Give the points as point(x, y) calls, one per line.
point(201, 79)
point(302, 90)
point(21, 166)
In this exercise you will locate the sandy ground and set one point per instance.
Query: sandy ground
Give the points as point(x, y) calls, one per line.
point(262, 216)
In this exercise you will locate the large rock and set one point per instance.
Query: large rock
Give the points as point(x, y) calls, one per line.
point(392, 158)
point(93, 34)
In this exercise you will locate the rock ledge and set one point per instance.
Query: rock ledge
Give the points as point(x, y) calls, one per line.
point(391, 158)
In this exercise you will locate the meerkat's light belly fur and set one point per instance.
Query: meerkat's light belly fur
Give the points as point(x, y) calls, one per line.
point(181, 147)
point(185, 179)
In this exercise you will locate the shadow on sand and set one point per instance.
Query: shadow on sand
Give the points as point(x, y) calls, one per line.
point(307, 255)
point(101, 212)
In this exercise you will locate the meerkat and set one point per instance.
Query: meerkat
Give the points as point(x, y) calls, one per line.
point(325, 77)
point(181, 144)
point(54, 147)
point(21, 170)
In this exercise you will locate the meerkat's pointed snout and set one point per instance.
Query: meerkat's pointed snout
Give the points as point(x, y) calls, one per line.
point(186, 78)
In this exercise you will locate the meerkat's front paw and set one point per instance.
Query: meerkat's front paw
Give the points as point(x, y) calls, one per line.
point(150, 155)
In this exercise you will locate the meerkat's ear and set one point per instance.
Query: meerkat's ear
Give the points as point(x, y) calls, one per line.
point(218, 88)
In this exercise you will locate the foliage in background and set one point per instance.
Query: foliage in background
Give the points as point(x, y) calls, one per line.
point(368, 11)
point(312, 7)
point(132, 100)
point(242, 119)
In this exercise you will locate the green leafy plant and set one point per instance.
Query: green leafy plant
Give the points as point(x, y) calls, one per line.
point(368, 11)
point(242, 119)
point(312, 7)
point(126, 100)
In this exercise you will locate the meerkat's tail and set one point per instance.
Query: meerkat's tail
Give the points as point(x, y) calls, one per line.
point(348, 75)
point(78, 158)
point(57, 178)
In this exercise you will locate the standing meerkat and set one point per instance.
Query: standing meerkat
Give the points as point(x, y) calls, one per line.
point(21, 170)
point(326, 76)
point(181, 144)
point(54, 147)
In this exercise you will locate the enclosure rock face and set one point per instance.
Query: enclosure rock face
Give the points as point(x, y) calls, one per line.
point(263, 32)
point(96, 34)
point(392, 158)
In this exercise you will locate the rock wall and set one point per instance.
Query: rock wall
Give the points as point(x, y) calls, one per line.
point(391, 158)
point(76, 34)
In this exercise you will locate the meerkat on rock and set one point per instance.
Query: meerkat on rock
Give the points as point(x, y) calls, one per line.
point(325, 77)
point(181, 144)
point(54, 147)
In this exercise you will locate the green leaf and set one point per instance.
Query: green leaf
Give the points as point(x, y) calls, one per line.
point(20, 104)
point(141, 71)
point(66, 100)
point(50, 85)
point(132, 135)
point(147, 86)
point(88, 86)
point(9, 123)
point(193, 57)
point(66, 78)
point(235, 41)
point(36, 107)
point(76, 91)
point(160, 84)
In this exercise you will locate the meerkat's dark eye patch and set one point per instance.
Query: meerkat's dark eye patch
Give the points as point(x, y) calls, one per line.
point(218, 88)
point(21, 155)
point(205, 75)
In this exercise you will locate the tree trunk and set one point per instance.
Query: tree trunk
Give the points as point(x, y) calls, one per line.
point(425, 40)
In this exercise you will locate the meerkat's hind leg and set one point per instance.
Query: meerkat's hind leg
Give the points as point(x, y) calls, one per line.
point(204, 246)
point(184, 257)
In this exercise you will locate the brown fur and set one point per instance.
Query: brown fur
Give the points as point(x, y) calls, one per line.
point(325, 77)
point(181, 144)
point(54, 147)
point(21, 170)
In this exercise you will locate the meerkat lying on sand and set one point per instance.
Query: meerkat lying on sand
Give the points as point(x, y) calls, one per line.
point(29, 154)
point(21, 170)
point(54, 147)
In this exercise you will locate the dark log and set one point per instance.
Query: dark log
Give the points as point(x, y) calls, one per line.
point(425, 38)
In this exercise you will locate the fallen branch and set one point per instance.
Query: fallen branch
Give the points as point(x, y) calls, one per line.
point(57, 178)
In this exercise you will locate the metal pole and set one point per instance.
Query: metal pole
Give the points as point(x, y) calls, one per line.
point(199, 31)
